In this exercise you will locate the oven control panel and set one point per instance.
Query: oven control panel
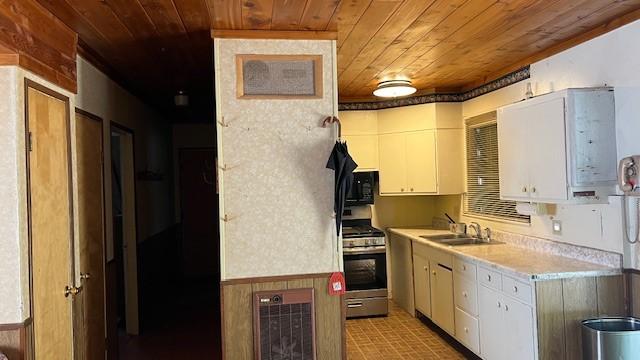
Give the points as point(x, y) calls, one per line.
point(364, 241)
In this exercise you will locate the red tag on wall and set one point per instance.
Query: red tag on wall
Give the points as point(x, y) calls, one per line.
point(336, 284)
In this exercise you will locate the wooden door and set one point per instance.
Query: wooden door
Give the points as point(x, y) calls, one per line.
point(513, 154)
point(90, 303)
point(393, 165)
point(547, 156)
point(51, 223)
point(421, 162)
point(421, 284)
point(199, 207)
point(490, 314)
point(442, 307)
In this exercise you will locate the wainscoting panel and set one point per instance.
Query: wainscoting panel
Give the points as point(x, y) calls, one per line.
point(237, 314)
point(16, 340)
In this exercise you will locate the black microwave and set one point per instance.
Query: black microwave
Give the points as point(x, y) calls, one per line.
point(362, 188)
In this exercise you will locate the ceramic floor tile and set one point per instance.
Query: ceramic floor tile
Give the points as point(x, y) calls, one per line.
point(397, 336)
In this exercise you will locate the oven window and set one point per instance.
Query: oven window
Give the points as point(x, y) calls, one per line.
point(365, 272)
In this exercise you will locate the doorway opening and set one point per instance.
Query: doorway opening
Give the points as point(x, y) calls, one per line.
point(125, 293)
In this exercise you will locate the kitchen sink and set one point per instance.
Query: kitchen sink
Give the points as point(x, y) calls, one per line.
point(445, 237)
point(458, 240)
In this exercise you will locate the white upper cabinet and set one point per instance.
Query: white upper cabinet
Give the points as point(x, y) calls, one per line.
point(421, 150)
point(360, 131)
point(559, 147)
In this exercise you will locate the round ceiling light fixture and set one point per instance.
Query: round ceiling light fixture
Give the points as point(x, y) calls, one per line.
point(394, 88)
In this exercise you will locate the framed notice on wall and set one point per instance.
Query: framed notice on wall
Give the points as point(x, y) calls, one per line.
point(279, 76)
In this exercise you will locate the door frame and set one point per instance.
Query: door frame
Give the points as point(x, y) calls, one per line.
point(98, 119)
point(133, 329)
point(31, 84)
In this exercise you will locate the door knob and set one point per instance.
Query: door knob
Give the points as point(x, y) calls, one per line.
point(72, 290)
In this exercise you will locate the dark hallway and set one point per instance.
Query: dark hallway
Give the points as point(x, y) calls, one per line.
point(182, 324)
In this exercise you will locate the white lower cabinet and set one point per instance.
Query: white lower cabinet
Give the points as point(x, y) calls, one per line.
point(442, 308)
point(421, 284)
point(468, 330)
point(506, 326)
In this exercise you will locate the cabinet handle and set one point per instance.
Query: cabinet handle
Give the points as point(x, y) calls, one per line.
point(533, 189)
point(401, 189)
point(488, 277)
point(464, 293)
point(499, 304)
point(524, 189)
point(515, 289)
point(506, 307)
point(426, 268)
point(466, 330)
point(411, 189)
point(433, 273)
point(464, 267)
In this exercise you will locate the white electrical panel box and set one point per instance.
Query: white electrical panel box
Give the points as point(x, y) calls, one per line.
point(559, 147)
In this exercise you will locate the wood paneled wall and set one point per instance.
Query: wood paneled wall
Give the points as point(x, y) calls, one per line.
point(16, 340)
point(34, 39)
point(633, 293)
point(237, 314)
point(563, 304)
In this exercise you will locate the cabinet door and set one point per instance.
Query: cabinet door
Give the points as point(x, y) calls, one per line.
point(442, 307)
point(492, 342)
point(421, 161)
point(393, 165)
point(518, 342)
point(547, 157)
point(513, 153)
point(421, 284)
point(364, 150)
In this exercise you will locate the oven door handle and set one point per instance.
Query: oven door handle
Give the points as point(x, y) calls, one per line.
point(365, 251)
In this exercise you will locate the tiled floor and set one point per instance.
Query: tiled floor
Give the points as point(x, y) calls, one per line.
point(397, 336)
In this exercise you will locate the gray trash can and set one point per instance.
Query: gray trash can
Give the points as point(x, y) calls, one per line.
point(611, 338)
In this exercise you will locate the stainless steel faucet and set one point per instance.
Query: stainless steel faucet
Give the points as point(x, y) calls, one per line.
point(476, 227)
point(488, 232)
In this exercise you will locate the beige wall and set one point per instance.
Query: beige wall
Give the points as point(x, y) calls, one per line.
point(103, 97)
point(277, 191)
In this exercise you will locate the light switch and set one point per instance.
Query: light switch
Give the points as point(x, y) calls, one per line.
point(557, 227)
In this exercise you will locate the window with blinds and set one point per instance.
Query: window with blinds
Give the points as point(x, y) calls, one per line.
point(483, 187)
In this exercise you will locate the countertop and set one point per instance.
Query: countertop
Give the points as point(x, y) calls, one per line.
point(514, 260)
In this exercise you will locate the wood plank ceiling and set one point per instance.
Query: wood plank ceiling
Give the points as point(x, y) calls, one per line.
point(162, 46)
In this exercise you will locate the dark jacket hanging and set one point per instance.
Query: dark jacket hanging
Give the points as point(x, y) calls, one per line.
point(343, 166)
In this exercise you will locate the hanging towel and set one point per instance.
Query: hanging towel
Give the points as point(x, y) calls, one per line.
point(343, 166)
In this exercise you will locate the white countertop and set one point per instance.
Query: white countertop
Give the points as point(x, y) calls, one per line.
point(514, 260)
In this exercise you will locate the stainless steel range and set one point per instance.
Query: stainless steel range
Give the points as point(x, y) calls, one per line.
point(365, 268)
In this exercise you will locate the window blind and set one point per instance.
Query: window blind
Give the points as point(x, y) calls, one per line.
point(483, 187)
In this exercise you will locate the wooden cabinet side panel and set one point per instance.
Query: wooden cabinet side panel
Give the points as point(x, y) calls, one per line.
point(611, 297)
point(550, 316)
point(634, 294)
point(579, 304)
